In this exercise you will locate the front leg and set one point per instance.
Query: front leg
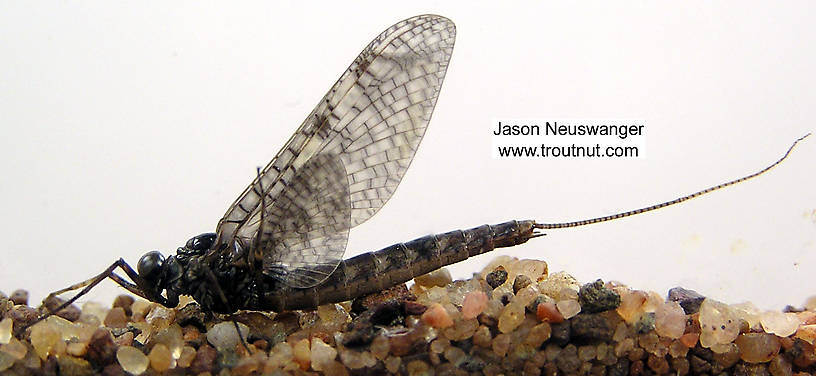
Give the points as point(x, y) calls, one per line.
point(89, 284)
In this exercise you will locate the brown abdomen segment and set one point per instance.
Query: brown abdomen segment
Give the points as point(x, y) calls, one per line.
point(375, 271)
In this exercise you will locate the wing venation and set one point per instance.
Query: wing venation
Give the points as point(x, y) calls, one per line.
point(371, 122)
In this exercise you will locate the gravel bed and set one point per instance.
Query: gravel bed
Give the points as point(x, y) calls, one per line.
point(512, 317)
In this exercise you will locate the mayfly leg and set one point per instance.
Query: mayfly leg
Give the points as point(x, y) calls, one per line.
point(220, 293)
point(90, 283)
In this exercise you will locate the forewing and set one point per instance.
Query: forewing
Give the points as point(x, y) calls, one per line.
point(372, 121)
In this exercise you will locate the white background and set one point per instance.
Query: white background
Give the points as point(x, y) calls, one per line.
point(129, 127)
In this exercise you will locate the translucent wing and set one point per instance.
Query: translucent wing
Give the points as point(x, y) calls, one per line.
point(369, 125)
point(306, 228)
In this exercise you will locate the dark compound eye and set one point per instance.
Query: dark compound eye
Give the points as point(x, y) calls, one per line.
point(201, 242)
point(150, 266)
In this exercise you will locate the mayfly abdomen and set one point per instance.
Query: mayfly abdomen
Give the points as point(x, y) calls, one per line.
point(432, 252)
point(375, 271)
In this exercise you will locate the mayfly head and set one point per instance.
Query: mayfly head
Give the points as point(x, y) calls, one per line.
point(159, 275)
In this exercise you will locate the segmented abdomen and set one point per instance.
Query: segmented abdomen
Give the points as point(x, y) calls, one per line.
point(375, 271)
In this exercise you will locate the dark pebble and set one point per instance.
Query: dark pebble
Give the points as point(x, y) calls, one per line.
point(398, 293)
point(592, 327)
point(637, 353)
point(19, 297)
point(191, 314)
point(549, 369)
point(680, 365)
point(621, 368)
point(261, 344)
point(745, 369)
point(193, 336)
point(595, 297)
point(70, 313)
point(413, 342)
point(560, 333)
point(724, 361)
point(699, 365)
point(636, 368)
point(803, 353)
point(22, 315)
point(473, 364)
point(124, 301)
point(466, 345)
point(69, 365)
point(448, 369)
point(364, 327)
point(567, 360)
point(113, 370)
point(497, 277)
point(488, 321)
point(702, 352)
point(204, 359)
point(389, 313)
point(101, 349)
point(400, 344)
point(790, 308)
point(49, 366)
point(646, 323)
point(658, 364)
point(259, 323)
point(413, 308)
point(506, 298)
point(690, 300)
point(521, 282)
point(360, 331)
point(5, 306)
point(780, 366)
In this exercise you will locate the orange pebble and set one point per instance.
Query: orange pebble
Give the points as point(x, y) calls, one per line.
point(437, 317)
point(475, 302)
point(549, 313)
point(689, 339)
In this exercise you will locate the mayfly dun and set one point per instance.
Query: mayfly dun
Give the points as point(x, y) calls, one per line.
point(280, 245)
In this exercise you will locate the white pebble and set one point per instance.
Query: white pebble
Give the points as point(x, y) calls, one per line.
point(5, 330)
point(782, 324)
point(568, 308)
point(224, 336)
point(439, 277)
point(322, 354)
point(333, 314)
point(670, 320)
point(748, 312)
point(559, 285)
point(718, 322)
point(132, 360)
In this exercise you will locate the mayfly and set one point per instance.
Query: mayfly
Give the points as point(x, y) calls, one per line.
point(280, 245)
